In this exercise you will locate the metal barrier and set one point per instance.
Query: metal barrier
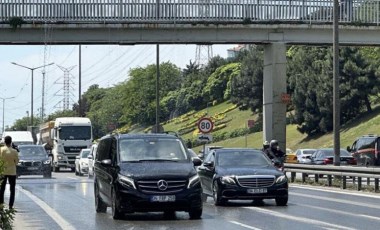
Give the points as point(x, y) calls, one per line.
point(342, 171)
point(188, 11)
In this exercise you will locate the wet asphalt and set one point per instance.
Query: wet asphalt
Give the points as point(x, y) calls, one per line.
point(66, 201)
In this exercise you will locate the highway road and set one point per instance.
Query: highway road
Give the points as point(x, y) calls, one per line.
point(66, 201)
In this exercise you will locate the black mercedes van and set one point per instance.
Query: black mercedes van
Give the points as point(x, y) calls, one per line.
point(146, 173)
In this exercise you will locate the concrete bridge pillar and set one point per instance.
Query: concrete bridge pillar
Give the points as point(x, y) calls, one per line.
point(274, 85)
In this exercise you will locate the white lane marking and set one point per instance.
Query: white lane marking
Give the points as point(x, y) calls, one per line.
point(51, 212)
point(339, 212)
point(244, 225)
point(299, 219)
point(351, 193)
point(349, 202)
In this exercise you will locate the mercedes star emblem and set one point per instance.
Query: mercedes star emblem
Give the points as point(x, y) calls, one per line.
point(162, 185)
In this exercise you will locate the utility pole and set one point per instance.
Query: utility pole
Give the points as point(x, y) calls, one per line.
point(336, 97)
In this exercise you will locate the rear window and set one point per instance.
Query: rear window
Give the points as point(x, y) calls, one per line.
point(151, 149)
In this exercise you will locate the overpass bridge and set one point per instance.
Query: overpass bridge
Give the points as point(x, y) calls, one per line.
point(275, 23)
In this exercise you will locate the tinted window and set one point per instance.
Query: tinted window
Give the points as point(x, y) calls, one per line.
point(366, 143)
point(31, 151)
point(330, 153)
point(103, 151)
point(151, 149)
point(242, 158)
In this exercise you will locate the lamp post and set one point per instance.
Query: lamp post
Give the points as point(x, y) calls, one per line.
point(4, 98)
point(32, 69)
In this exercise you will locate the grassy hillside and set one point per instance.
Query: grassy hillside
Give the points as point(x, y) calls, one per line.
point(366, 124)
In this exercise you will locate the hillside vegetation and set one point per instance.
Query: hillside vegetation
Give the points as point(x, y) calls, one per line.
point(236, 119)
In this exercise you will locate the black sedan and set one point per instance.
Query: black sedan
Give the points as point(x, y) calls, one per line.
point(242, 174)
point(33, 161)
point(326, 156)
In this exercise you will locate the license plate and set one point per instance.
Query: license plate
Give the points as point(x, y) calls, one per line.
point(343, 162)
point(256, 190)
point(170, 198)
point(32, 168)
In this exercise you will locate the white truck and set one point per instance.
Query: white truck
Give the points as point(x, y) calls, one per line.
point(19, 137)
point(64, 138)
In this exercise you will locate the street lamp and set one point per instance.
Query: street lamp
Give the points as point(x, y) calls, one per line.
point(32, 69)
point(5, 98)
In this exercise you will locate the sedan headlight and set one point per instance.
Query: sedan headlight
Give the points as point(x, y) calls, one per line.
point(47, 162)
point(193, 181)
point(230, 180)
point(281, 179)
point(84, 164)
point(126, 181)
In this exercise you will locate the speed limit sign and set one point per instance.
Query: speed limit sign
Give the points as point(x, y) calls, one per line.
point(205, 125)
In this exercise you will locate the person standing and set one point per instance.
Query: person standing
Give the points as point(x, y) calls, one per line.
point(10, 158)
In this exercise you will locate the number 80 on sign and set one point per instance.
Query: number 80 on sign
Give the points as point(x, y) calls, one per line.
point(205, 125)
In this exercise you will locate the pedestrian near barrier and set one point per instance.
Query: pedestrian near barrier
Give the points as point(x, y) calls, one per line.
point(10, 158)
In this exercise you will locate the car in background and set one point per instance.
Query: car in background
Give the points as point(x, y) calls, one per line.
point(146, 173)
point(91, 157)
point(325, 156)
point(81, 162)
point(303, 155)
point(206, 150)
point(366, 150)
point(242, 174)
point(33, 160)
point(290, 156)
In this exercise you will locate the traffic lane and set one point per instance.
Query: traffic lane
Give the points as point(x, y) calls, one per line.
point(73, 200)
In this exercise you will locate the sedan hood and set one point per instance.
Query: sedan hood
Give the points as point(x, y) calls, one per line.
point(146, 170)
point(241, 171)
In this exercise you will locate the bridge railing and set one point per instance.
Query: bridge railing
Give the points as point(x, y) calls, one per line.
point(189, 11)
point(344, 172)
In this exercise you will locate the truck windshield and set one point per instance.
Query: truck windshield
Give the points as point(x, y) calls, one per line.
point(75, 133)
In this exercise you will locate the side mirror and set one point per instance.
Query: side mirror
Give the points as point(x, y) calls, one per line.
point(196, 161)
point(208, 164)
point(106, 162)
point(89, 157)
point(77, 157)
point(348, 149)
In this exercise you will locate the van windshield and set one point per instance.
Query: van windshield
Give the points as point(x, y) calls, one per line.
point(142, 149)
point(366, 143)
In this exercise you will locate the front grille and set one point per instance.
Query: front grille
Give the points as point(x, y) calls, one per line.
point(32, 163)
point(152, 186)
point(73, 149)
point(258, 181)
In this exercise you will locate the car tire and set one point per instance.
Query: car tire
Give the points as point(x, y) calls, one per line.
point(47, 174)
point(216, 195)
point(281, 201)
point(169, 215)
point(79, 171)
point(100, 206)
point(195, 213)
point(116, 214)
point(55, 169)
point(204, 197)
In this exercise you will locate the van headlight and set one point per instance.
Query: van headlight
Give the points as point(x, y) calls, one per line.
point(47, 162)
point(281, 179)
point(126, 181)
point(194, 180)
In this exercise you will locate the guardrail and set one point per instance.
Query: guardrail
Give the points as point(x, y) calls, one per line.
point(342, 171)
point(188, 11)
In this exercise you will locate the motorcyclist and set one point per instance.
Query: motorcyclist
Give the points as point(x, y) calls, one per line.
point(276, 151)
point(267, 150)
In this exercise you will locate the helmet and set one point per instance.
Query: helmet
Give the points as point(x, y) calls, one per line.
point(273, 143)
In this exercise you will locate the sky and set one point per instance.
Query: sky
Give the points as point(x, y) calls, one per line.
point(105, 65)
